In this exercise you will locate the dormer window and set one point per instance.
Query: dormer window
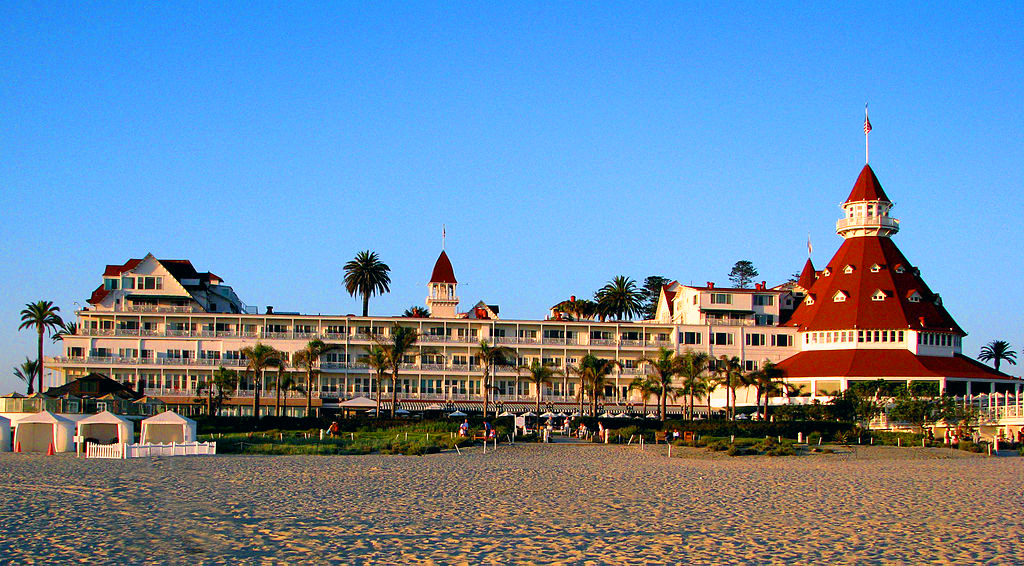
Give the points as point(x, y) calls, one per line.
point(848, 269)
point(879, 295)
point(914, 297)
point(875, 268)
point(938, 300)
point(839, 297)
point(900, 268)
point(826, 272)
point(809, 300)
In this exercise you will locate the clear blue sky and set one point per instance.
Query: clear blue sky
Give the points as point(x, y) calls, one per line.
point(560, 144)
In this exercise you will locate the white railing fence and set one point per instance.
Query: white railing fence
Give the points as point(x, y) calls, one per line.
point(149, 450)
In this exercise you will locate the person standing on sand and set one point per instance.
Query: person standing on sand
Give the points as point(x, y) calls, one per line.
point(464, 428)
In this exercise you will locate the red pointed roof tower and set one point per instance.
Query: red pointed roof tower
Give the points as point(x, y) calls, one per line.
point(442, 300)
point(869, 314)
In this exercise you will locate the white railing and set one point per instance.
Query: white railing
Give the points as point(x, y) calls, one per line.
point(109, 451)
point(868, 222)
point(172, 449)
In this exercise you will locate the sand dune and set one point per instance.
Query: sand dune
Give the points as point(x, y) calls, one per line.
point(522, 504)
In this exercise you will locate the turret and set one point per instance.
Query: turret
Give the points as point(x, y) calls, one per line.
point(442, 301)
point(866, 210)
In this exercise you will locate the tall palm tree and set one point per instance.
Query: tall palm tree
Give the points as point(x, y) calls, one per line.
point(693, 371)
point(27, 373)
point(367, 275)
point(661, 369)
point(280, 381)
point(538, 374)
point(260, 357)
point(620, 298)
point(399, 346)
point(489, 357)
point(377, 360)
point(416, 312)
point(729, 374)
point(593, 372)
point(646, 387)
point(44, 317)
point(768, 380)
point(309, 359)
point(66, 329)
point(997, 351)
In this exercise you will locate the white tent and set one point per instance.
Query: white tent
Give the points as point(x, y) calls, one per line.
point(358, 403)
point(168, 427)
point(107, 428)
point(36, 432)
point(5, 434)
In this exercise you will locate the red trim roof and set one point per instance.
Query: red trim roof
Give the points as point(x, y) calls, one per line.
point(98, 295)
point(806, 280)
point(867, 187)
point(443, 272)
point(876, 364)
point(859, 310)
point(115, 270)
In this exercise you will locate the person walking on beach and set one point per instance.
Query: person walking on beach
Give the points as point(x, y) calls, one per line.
point(464, 428)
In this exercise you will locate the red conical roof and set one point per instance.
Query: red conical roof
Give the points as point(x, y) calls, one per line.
point(806, 276)
point(908, 302)
point(867, 187)
point(443, 272)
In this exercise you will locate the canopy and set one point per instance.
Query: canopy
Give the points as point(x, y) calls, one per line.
point(456, 414)
point(548, 415)
point(168, 427)
point(528, 414)
point(36, 432)
point(5, 434)
point(506, 414)
point(107, 428)
point(358, 403)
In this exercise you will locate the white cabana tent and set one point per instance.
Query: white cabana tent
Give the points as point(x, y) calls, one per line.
point(168, 427)
point(358, 403)
point(107, 428)
point(5, 434)
point(36, 432)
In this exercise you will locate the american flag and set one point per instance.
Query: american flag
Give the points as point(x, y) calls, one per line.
point(867, 123)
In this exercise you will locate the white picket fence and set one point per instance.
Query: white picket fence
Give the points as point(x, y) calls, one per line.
point(121, 451)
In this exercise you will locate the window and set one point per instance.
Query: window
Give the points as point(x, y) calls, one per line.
point(914, 297)
point(826, 272)
point(750, 365)
point(848, 269)
point(900, 269)
point(756, 340)
point(498, 333)
point(128, 283)
point(809, 300)
point(839, 297)
point(150, 282)
point(764, 300)
point(554, 334)
point(527, 333)
point(876, 268)
point(782, 340)
point(878, 296)
point(722, 338)
point(690, 337)
point(721, 299)
point(860, 335)
point(110, 284)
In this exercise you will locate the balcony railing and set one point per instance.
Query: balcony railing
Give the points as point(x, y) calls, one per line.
point(868, 222)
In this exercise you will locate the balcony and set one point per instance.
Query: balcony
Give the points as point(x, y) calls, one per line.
point(157, 308)
point(868, 222)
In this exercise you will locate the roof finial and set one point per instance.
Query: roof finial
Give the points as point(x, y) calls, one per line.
point(442, 237)
point(867, 129)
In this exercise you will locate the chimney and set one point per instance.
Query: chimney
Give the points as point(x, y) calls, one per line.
point(711, 284)
point(920, 319)
point(270, 309)
point(572, 297)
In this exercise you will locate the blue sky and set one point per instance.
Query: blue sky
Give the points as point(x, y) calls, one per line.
point(561, 145)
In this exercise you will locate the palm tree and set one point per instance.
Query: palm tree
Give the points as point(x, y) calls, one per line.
point(997, 351)
point(27, 373)
point(377, 360)
point(395, 350)
point(578, 309)
point(619, 298)
point(280, 381)
point(67, 329)
point(646, 387)
point(593, 372)
point(489, 357)
point(366, 275)
point(769, 380)
point(729, 374)
point(42, 315)
point(216, 389)
point(309, 358)
point(662, 369)
point(692, 369)
point(416, 312)
point(260, 357)
point(538, 374)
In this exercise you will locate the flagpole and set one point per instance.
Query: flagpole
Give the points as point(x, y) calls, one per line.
point(867, 130)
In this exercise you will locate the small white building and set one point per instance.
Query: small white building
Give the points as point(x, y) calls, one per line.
point(38, 431)
point(168, 427)
point(5, 434)
point(107, 428)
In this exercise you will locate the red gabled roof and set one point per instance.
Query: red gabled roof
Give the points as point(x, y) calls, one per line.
point(806, 280)
point(874, 364)
point(115, 270)
point(858, 310)
point(443, 272)
point(669, 297)
point(867, 187)
point(98, 295)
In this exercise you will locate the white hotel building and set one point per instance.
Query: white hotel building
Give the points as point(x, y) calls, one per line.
point(163, 327)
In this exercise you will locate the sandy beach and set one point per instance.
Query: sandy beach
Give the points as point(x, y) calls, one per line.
point(522, 504)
